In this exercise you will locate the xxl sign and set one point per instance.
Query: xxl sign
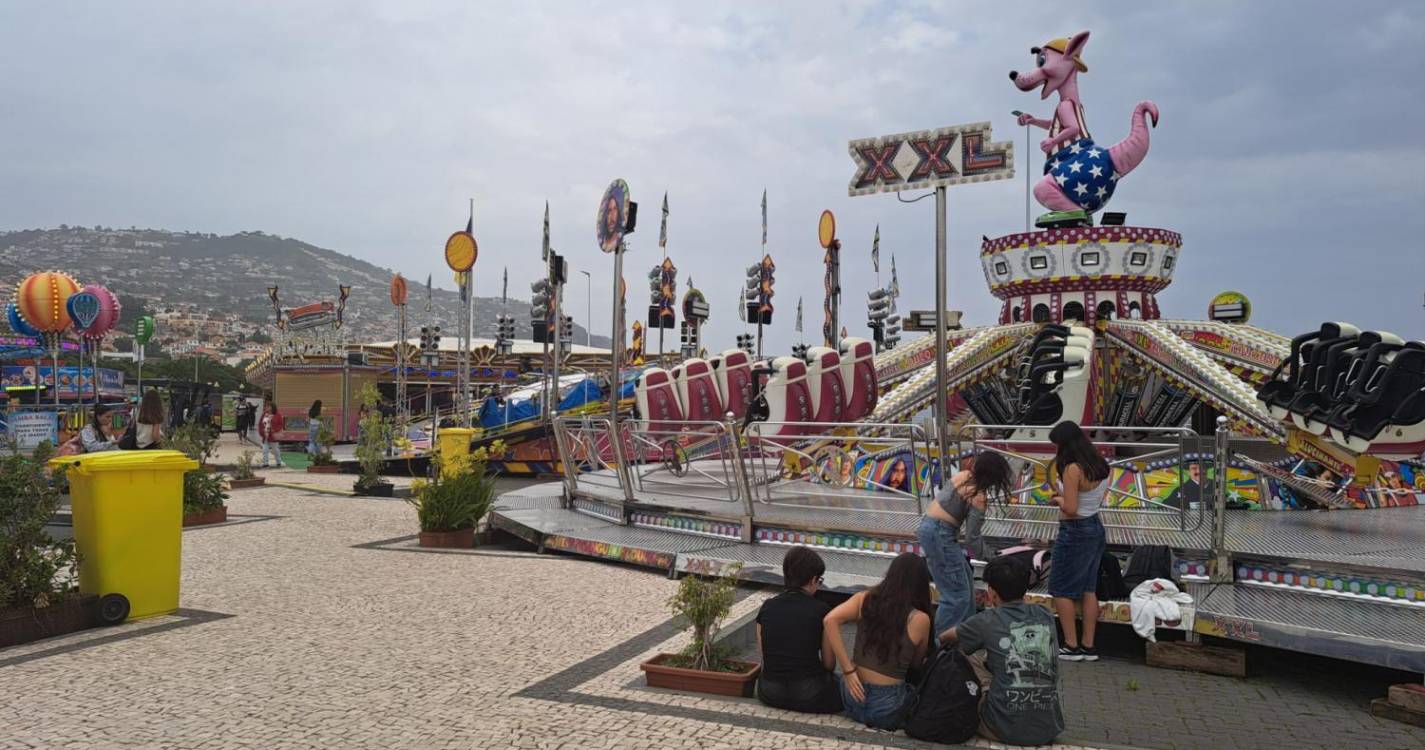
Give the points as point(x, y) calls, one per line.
point(954, 155)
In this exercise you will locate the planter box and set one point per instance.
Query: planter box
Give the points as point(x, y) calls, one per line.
point(736, 684)
point(380, 489)
point(205, 517)
point(462, 539)
point(324, 469)
point(24, 624)
point(242, 484)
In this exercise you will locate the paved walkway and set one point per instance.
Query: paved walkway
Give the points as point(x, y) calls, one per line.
point(312, 620)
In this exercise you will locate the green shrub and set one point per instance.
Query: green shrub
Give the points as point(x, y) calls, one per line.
point(243, 469)
point(375, 434)
point(703, 602)
point(34, 567)
point(454, 503)
point(201, 490)
point(325, 438)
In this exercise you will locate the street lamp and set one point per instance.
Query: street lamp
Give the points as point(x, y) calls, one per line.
point(589, 298)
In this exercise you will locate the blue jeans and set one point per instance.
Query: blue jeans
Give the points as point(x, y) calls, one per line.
point(885, 706)
point(950, 569)
point(312, 427)
point(1078, 551)
point(276, 449)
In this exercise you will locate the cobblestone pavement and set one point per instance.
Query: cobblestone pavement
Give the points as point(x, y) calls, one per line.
point(317, 624)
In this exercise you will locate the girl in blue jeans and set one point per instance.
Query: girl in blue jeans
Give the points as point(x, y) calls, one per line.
point(314, 423)
point(893, 637)
point(939, 533)
point(1079, 545)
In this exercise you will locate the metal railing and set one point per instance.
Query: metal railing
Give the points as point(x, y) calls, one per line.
point(815, 466)
point(676, 454)
point(1029, 453)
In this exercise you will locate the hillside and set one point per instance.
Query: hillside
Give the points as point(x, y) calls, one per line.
point(231, 274)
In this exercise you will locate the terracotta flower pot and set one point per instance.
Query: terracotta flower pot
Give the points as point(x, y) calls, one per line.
point(323, 469)
point(242, 484)
point(737, 684)
point(461, 539)
point(66, 615)
point(205, 517)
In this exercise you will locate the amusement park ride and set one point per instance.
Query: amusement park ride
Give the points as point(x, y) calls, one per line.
point(1228, 443)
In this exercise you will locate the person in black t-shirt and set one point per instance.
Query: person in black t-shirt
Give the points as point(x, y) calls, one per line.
point(796, 664)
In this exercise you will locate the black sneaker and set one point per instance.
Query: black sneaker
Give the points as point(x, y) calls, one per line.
point(1070, 654)
point(1088, 653)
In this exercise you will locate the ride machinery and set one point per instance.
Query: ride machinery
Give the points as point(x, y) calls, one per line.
point(1223, 438)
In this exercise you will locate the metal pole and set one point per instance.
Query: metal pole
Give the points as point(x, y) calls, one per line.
point(1221, 566)
point(557, 291)
point(1027, 152)
point(941, 428)
point(616, 350)
point(589, 304)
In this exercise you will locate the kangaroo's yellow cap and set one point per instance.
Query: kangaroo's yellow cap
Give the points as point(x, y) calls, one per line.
point(1060, 45)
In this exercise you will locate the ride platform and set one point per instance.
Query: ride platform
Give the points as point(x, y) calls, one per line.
point(1346, 584)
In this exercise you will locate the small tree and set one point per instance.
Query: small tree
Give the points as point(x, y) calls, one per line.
point(325, 438)
point(375, 435)
point(704, 604)
point(202, 490)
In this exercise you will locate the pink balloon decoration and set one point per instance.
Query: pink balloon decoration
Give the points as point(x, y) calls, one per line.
point(109, 310)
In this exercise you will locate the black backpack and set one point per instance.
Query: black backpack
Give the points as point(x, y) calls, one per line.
point(947, 705)
point(1148, 562)
point(1110, 578)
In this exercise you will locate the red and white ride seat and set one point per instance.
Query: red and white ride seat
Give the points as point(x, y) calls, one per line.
point(828, 392)
point(788, 397)
point(657, 400)
point(697, 391)
point(732, 371)
point(858, 375)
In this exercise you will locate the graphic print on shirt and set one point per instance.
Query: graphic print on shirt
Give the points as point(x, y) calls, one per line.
point(1029, 657)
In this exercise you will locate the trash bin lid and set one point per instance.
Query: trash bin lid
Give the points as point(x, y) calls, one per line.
point(90, 463)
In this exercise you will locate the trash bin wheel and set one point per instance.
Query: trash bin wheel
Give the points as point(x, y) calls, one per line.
point(113, 609)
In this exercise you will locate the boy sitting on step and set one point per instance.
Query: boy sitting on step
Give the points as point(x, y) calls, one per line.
point(1021, 702)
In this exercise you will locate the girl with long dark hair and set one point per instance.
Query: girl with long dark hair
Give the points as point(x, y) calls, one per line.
point(893, 636)
point(1079, 545)
point(980, 478)
point(314, 423)
point(148, 432)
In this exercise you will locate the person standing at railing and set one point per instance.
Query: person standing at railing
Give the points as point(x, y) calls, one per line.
point(1080, 542)
point(939, 533)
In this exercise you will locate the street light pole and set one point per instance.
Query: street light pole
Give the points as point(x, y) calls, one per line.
point(589, 299)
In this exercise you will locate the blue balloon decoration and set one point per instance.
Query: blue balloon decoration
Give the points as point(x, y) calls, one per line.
point(83, 309)
point(17, 323)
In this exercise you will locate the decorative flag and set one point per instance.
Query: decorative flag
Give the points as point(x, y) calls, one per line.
point(764, 218)
point(876, 250)
point(895, 283)
point(544, 249)
point(429, 293)
point(505, 289)
point(663, 228)
point(741, 306)
point(799, 314)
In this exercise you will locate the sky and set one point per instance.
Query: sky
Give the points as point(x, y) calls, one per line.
point(1290, 153)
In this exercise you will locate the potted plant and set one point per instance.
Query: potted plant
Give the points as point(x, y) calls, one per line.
point(203, 494)
point(450, 508)
point(705, 665)
point(322, 462)
point(38, 574)
point(371, 444)
point(243, 475)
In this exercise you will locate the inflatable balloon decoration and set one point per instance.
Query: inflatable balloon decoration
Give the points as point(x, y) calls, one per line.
point(17, 322)
point(42, 299)
point(95, 312)
point(1078, 174)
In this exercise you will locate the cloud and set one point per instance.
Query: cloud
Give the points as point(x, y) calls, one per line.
point(1288, 154)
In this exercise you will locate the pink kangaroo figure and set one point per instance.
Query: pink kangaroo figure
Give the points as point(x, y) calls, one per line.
point(1078, 175)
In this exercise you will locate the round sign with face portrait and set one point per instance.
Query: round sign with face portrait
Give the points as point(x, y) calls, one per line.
point(612, 216)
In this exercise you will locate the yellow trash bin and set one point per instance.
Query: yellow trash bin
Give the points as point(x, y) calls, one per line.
point(452, 441)
point(128, 526)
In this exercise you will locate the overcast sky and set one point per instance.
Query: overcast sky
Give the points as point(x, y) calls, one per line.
point(1290, 154)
